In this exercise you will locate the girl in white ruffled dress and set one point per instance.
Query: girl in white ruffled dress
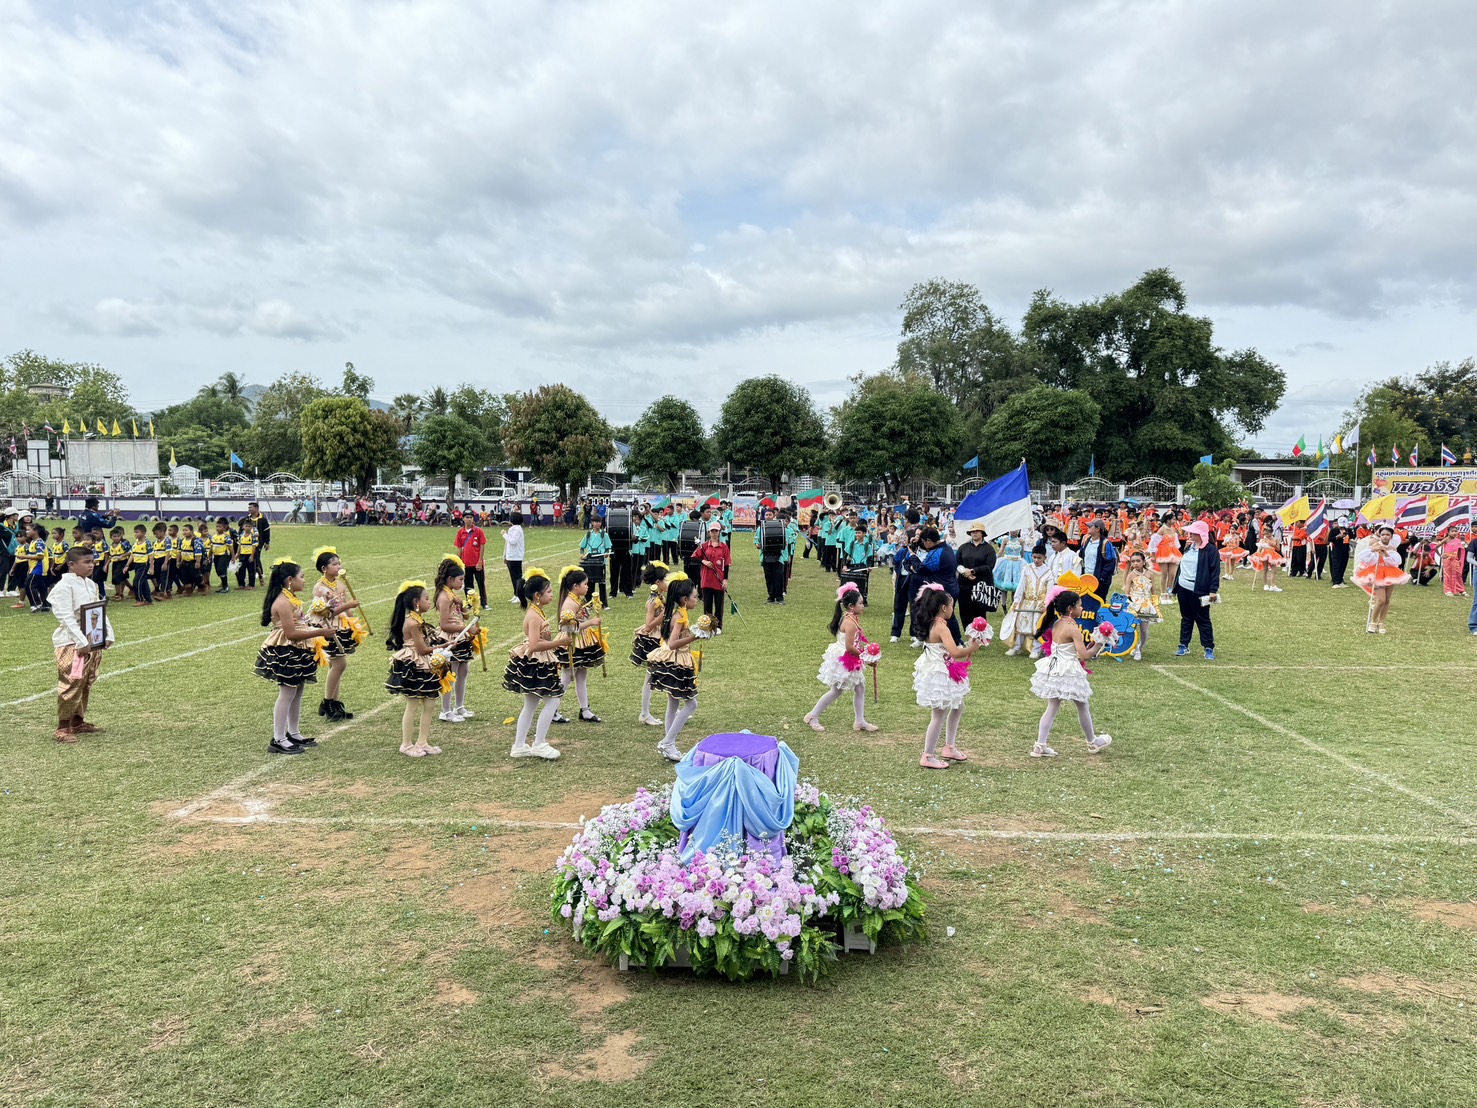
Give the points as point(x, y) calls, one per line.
point(940, 676)
point(842, 669)
point(1059, 676)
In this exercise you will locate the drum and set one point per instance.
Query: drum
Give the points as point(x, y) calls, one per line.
point(594, 568)
point(689, 538)
point(771, 538)
point(861, 577)
point(618, 526)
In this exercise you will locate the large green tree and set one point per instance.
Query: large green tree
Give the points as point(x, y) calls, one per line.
point(952, 337)
point(276, 440)
point(667, 439)
point(554, 432)
point(1437, 405)
point(771, 426)
point(342, 441)
point(1052, 429)
point(1166, 392)
point(449, 447)
point(892, 429)
point(356, 384)
point(209, 412)
point(486, 411)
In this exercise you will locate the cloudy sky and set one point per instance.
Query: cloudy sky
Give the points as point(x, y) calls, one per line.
point(637, 197)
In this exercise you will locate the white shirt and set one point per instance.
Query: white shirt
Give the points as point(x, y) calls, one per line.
point(66, 599)
point(1061, 561)
point(513, 544)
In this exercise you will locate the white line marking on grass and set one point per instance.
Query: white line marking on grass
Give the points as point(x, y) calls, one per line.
point(1189, 836)
point(231, 790)
point(1343, 669)
point(1318, 748)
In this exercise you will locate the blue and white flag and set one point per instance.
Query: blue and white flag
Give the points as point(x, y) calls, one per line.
point(1000, 506)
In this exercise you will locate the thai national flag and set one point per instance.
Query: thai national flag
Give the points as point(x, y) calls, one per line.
point(1415, 454)
point(1447, 457)
point(1457, 515)
point(1412, 513)
point(1318, 521)
point(1373, 460)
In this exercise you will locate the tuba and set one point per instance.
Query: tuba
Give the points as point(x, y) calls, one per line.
point(832, 501)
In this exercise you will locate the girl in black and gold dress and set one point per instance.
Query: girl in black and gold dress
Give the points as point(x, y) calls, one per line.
point(451, 621)
point(583, 627)
point(330, 610)
point(648, 634)
point(289, 657)
point(413, 667)
point(533, 670)
point(670, 666)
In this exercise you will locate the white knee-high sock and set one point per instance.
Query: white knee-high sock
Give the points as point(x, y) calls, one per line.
point(684, 713)
point(281, 712)
point(295, 712)
point(951, 729)
point(462, 670)
point(1048, 717)
point(525, 720)
point(545, 718)
point(582, 688)
point(827, 699)
point(935, 726)
point(1084, 717)
point(646, 698)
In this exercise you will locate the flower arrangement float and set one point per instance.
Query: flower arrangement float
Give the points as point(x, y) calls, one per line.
point(738, 868)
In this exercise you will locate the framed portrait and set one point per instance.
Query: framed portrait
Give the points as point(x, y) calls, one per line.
point(94, 619)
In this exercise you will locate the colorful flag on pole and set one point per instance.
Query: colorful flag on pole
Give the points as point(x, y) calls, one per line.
point(66, 427)
point(1208, 459)
point(1319, 453)
point(1092, 466)
point(1395, 454)
point(1352, 438)
point(1318, 521)
point(1001, 506)
point(1415, 454)
point(1373, 461)
point(172, 462)
point(1447, 457)
point(135, 428)
point(1380, 508)
point(101, 428)
point(235, 461)
point(1295, 509)
point(1324, 463)
point(151, 428)
point(1337, 445)
point(973, 463)
point(1412, 513)
point(117, 431)
point(1453, 515)
point(1299, 448)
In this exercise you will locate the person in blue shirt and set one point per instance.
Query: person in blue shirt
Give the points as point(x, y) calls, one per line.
point(595, 550)
point(933, 561)
point(91, 520)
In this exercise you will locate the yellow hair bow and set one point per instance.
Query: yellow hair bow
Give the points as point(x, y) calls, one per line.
point(405, 586)
point(322, 550)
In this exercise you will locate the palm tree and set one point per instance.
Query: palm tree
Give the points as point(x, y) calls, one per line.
point(406, 408)
point(231, 388)
point(437, 401)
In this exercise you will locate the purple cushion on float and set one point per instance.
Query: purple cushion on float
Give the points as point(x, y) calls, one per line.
point(759, 751)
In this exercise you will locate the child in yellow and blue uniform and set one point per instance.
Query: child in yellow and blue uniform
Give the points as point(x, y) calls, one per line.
point(120, 551)
point(246, 556)
point(140, 557)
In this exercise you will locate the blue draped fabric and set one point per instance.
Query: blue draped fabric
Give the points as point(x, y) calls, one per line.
point(731, 798)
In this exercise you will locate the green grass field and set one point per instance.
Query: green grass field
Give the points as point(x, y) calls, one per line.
point(1261, 895)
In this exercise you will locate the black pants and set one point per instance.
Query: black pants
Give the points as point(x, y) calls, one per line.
point(774, 579)
point(141, 590)
point(515, 571)
point(1320, 559)
point(1338, 564)
point(222, 563)
point(621, 580)
point(597, 581)
point(7, 563)
point(247, 569)
point(1299, 562)
point(477, 577)
point(1194, 614)
point(713, 605)
point(900, 601)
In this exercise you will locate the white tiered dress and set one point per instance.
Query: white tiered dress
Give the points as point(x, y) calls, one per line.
point(833, 674)
point(932, 683)
point(1060, 676)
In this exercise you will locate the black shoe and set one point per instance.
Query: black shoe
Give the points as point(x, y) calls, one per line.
point(223, 588)
point(343, 713)
point(587, 716)
point(302, 740)
point(323, 707)
point(286, 746)
point(559, 717)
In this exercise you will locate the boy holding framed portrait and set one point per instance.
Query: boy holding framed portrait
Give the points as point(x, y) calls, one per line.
point(85, 632)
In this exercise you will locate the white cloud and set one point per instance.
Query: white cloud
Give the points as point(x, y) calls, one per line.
point(606, 191)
